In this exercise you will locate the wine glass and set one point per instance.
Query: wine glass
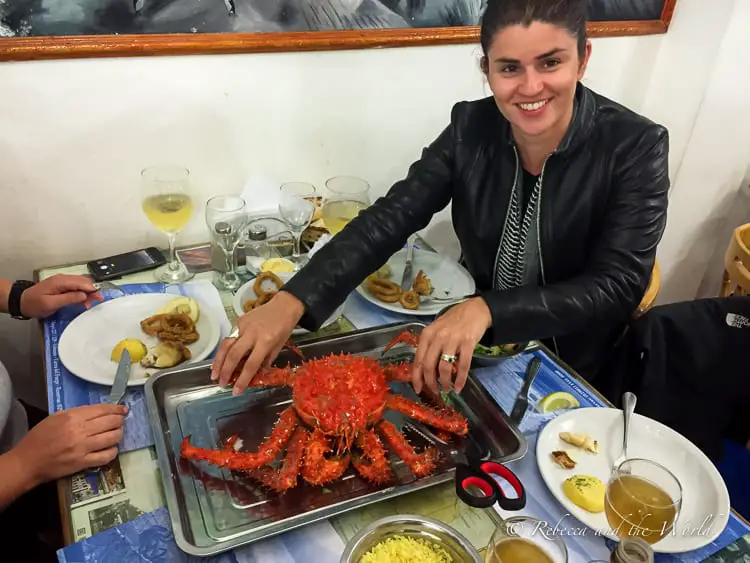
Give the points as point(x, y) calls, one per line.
point(297, 208)
point(166, 202)
point(522, 538)
point(344, 198)
point(643, 499)
point(226, 217)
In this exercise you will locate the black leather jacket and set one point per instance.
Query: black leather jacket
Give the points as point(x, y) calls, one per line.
point(602, 212)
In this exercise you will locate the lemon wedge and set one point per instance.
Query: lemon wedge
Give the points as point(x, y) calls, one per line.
point(277, 265)
point(558, 401)
point(136, 348)
point(184, 305)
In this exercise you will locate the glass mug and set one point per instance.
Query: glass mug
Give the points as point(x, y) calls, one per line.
point(522, 539)
point(643, 500)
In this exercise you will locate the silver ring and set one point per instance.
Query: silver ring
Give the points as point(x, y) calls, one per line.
point(448, 358)
point(235, 333)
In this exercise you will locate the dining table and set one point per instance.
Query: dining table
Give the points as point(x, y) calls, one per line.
point(119, 511)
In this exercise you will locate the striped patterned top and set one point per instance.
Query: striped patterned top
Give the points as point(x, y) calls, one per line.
point(511, 264)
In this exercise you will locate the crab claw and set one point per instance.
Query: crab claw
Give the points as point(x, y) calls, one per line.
point(406, 337)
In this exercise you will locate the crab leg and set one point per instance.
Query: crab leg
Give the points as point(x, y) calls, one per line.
point(272, 377)
point(405, 337)
point(317, 469)
point(398, 372)
point(443, 419)
point(372, 464)
point(420, 464)
point(241, 461)
point(286, 477)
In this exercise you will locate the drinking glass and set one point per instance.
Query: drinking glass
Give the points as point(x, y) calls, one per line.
point(297, 206)
point(166, 202)
point(643, 499)
point(344, 198)
point(522, 539)
point(226, 217)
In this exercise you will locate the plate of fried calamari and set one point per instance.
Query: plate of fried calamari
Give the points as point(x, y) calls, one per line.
point(437, 282)
point(262, 288)
point(159, 330)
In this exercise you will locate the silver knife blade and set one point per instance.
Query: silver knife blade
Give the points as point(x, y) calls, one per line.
point(522, 401)
point(406, 279)
point(121, 379)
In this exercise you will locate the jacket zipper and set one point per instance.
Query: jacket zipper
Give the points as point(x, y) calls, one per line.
point(539, 238)
point(505, 224)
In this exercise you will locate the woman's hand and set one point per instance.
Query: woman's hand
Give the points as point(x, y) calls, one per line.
point(263, 332)
point(69, 441)
point(455, 333)
point(49, 295)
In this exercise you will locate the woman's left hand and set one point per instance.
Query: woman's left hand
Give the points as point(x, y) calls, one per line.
point(454, 334)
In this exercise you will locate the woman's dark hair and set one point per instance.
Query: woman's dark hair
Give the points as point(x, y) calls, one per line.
point(499, 14)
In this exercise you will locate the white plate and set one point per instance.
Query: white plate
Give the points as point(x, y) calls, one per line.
point(246, 293)
point(86, 343)
point(449, 279)
point(704, 493)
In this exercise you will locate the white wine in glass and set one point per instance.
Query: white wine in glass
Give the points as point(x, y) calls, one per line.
point(344, 198)
point(167, 204)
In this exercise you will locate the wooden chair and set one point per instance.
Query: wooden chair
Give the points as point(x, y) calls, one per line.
point(736, 278)
point(651, 292)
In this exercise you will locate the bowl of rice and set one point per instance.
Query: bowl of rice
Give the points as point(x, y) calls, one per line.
point(409, 538)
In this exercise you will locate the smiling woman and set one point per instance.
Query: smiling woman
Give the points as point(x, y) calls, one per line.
point(559, 200)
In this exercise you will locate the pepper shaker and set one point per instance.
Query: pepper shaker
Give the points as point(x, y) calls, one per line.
point(256, 247)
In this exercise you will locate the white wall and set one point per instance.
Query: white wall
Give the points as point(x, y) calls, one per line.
point(75, 134)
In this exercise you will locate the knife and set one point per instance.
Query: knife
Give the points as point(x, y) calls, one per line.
point(522, 401)
point(406, 280)
point(121, 379)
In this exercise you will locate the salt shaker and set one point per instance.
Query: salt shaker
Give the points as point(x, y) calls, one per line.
point(256, 248)
point(633, 550)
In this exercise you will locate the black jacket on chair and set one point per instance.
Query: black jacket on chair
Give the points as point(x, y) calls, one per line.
point(688, 364)
point(602, 211)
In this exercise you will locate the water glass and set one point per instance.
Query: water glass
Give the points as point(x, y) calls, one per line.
point(643, 500)
point(296, 207)
point(226, 217)
point(344, 198)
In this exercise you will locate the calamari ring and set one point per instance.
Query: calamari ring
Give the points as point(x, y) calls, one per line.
point(249, 305)
point(177, 323)
point(383, 287)
point(188, 338)
point(151, 325)
point(410, 299)
point(258, 285)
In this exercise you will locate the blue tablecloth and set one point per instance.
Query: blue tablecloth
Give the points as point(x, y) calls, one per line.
point(149, 537)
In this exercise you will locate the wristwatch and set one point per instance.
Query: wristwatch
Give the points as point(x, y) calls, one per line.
point(14, 299)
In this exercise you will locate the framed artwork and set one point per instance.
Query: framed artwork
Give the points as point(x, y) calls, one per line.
point(47, 29)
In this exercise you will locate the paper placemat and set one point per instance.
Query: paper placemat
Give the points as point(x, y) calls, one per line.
point(65, 390)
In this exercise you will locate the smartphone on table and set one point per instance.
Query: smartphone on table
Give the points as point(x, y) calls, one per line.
point(114, 267)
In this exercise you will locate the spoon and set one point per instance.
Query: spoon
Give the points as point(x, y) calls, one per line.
point(628, 406)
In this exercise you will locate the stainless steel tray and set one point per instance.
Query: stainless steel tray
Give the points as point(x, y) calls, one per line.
point(213, 510)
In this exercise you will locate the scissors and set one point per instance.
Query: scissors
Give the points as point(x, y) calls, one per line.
point(475, 473)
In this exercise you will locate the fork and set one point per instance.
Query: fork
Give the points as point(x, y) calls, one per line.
point(108, 285)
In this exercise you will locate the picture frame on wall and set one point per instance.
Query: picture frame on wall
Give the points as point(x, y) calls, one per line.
point(54, 29)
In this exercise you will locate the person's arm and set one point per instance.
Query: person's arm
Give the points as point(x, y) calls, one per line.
point(15, 479)
point(376, 233)
point(5, 286)
point(620, 263)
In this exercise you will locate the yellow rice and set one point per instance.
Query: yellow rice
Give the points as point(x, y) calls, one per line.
point(401, 549)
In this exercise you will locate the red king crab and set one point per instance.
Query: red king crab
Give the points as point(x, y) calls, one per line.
point(336, 417)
